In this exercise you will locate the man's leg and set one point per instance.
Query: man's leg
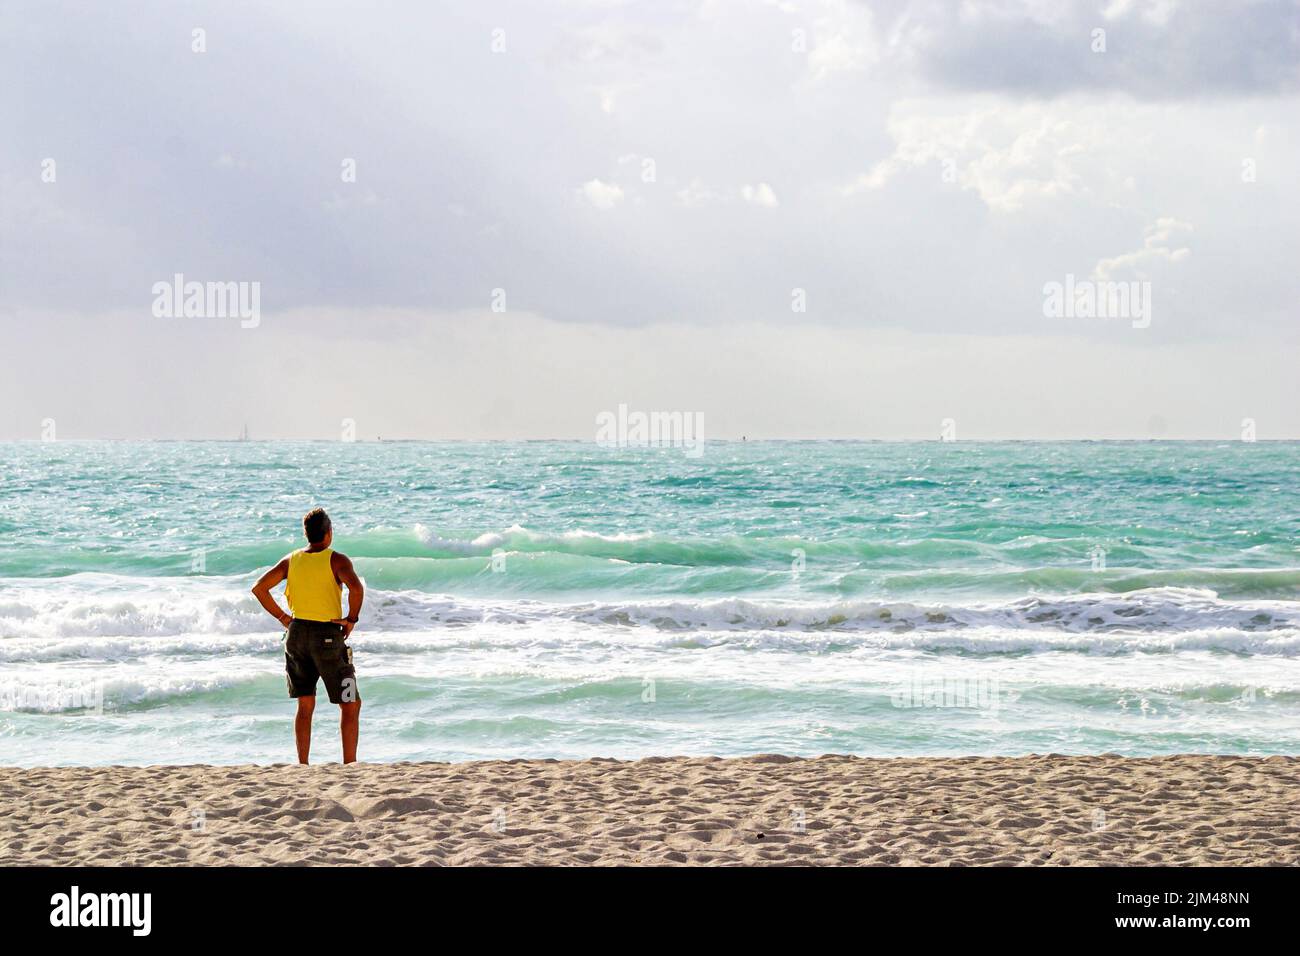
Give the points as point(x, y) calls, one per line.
point(349, 728)
point(302, 727)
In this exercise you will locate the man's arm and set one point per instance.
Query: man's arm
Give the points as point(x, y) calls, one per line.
point(347, 575)
point(262, 591)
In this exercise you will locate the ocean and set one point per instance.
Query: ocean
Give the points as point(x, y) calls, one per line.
point(561, 599)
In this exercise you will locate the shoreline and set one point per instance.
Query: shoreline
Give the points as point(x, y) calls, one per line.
point(766, 809)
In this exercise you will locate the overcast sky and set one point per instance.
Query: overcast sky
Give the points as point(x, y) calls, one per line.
point(653, 185)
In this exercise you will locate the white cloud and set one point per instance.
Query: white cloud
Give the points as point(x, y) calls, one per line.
point(1160, 246)
point(696, 193)
point(760, 195)
point(837, 53)
point(838, 36)
point(601, 194)
point(1007, 154)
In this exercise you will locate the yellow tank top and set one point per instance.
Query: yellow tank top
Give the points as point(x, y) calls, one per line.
point(312, 592)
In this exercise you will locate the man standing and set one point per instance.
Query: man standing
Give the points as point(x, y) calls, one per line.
point(316, 646)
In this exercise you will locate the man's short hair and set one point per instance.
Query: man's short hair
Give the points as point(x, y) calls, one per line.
point(315, 524)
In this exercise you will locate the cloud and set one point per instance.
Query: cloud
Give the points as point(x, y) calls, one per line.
point(760, 195)
point(1156, 12)
point(695, 193)
point(842, 42)
point(600, 194)
point(1008, 155)
point(1154, 49)
point(1160, 246)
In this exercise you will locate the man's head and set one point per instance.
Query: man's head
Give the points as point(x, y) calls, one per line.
point(316, 526)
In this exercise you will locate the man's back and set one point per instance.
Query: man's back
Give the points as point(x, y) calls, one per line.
point(313, 589)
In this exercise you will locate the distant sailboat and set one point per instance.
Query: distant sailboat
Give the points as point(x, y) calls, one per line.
point(243, 435)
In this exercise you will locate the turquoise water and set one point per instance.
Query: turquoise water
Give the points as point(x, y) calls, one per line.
point(569, 600)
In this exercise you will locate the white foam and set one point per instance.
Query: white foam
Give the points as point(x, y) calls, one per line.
point(519, 536)
point(85, 604)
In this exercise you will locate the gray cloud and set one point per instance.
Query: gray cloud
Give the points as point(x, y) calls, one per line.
point(1153, 49)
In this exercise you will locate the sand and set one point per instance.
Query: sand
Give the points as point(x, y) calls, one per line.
point(758, 810)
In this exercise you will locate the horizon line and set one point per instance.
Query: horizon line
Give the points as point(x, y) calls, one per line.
point(646, 446)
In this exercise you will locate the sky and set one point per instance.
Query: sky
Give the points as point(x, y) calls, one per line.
point(823, 219)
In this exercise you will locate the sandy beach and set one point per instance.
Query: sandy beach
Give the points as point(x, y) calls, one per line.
point(1036, 810)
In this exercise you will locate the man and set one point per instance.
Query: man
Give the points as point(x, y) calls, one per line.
point(316, 646)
